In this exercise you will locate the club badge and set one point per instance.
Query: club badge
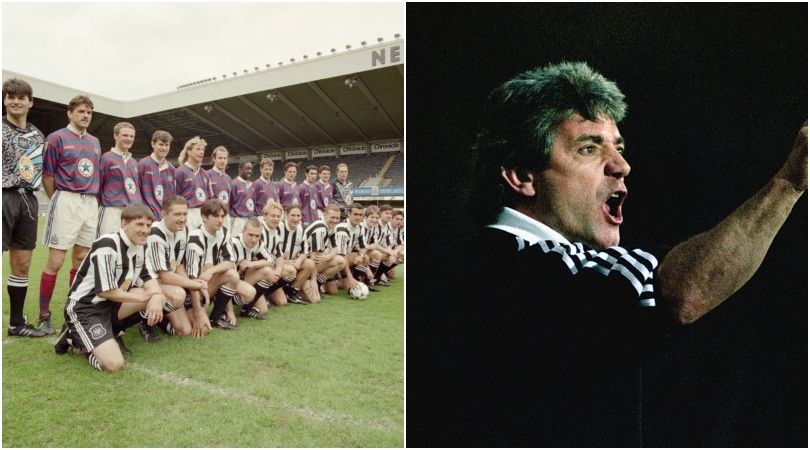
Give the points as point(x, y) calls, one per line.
point(159, 193)
point(25, 168)
point(130, 185)
point(223, 197)
point(85, 167)
point(249, 204)
point(200, 193)
point(97, 331)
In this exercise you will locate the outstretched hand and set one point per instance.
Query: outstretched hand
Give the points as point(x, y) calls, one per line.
point(795, 168)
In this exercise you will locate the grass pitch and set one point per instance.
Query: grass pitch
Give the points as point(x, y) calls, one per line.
point(326, 375)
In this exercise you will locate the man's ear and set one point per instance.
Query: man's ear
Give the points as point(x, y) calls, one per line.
point(521, 187)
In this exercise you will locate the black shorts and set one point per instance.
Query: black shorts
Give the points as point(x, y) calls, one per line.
point(91, 325)
point(20, 211)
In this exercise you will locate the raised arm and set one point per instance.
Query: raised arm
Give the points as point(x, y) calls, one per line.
point(702, 272)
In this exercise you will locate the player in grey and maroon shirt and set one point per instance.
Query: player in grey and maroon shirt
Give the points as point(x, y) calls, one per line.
point(220, 181)
point(191, 180)
point(323, 190)
point(156, 174)
point(264, 190)
point(286, 187)
point(119, 179)
point(307, 197)
point(71, 179)
point(242, 207)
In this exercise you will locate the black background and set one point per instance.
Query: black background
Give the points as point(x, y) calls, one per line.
point(716, 94)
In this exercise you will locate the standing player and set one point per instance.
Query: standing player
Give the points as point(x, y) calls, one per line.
point(342, 190)
point(241, 198)
point(255, 266)
point(119, 179)
point(264, 189)
point(286, 187)
point(307, 196)
point(345, 239)
point(192, 181)
point(319, 249)
point(204, 261)
point(23, 145)
point(71, 179)
point(220, 181)
point(293, 246)
point(323, 190)
point(156, 174)
point(112, 287)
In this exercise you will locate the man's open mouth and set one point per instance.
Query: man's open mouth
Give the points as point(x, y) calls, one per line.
point(613, 206)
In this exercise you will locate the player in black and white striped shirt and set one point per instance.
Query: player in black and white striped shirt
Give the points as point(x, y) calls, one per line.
point(113, 289)
point(347, 235)
point(294, 248)
point(371, 232)
point(204, 261)
point(271, 237)
point(165, 256)
point(325, 256)
point(388, 240)
point(256, 265)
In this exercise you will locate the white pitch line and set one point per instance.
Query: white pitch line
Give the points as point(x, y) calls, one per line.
point(381, 424)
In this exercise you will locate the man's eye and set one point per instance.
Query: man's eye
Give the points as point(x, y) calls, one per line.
point(621, 150)
point(589, 150)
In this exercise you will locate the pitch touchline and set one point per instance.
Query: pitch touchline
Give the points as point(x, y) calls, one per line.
point(343, 419)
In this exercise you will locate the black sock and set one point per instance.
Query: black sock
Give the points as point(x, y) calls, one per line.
point(359, 273)
point(221, 299)
point(261, 287)
point(385, 266)
point(17, 289)
point(122, 324)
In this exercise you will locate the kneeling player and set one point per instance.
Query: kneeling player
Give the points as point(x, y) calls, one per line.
point(256, 267)
point(166, 257)
point(271, 236)
point(112, 287)
point(346, 237)
point(325, 256)
point(292, 246)
point(204, 261)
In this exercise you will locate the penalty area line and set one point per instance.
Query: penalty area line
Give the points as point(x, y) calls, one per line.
point(381, 424)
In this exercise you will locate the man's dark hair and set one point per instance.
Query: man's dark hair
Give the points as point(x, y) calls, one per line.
point(162, 136)
point(79, 100)
point(17, 87)
point(136, 211)
point(522, 119)
point(212, 207)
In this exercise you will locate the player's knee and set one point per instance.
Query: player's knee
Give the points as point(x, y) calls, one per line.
point(231, 276)
point(112, 363)
point(55, 261)
point(308, 264)
point(182, 329)
point(338, 261)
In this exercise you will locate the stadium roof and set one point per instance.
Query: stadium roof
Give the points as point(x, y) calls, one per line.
point(346, 97)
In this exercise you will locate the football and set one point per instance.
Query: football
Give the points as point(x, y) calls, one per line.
point(359, 291)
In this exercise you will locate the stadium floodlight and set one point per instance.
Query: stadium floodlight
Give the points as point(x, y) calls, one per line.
point(292, 60)
point(208, 108)
point(281, 63)
point(351, 81)
point(363, 43)
point(348, 47)
point(305, 56)
point(333, 50)
point(268, 65)
point(256, 68)
point(379, 39)
point(318, 54)
point(234, 74)
point(224, 76)
point(396, 36)
point(245, 70)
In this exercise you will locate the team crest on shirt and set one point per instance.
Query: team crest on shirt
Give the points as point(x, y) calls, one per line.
point(129, 183)
point(249, 204)
point(126, 284)
point(97, 331)
point(223, 196)
point(25, 168)
point(85, 167)
point(54, 240)
point(312, 205)
point(159, 193)
point(200, 193)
